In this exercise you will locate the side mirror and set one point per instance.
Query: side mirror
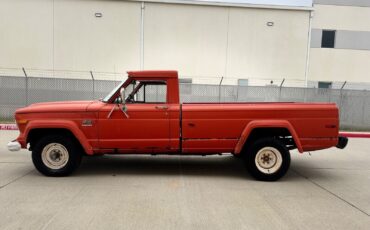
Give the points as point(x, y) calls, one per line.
point(123, 96)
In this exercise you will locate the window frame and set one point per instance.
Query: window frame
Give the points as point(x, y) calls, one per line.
point(142, 84)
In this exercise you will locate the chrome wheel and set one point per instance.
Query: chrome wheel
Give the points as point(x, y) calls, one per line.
point(54, 156)
point(268, 160)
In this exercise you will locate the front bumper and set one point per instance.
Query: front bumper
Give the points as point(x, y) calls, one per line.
point(14, 146)
point(342, 142)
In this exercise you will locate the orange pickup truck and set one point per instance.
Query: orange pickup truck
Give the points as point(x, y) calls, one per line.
point(143, 115)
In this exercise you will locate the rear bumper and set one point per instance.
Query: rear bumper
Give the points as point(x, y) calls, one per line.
point(14, 146)
point(342, 142)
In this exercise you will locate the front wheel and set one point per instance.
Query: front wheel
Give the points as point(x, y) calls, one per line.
point(56, 155)
point(267, 159)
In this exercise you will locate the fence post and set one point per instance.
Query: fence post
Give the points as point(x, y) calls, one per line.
point(237, 93)
point(305, 94)
point(363, 110)
point(281, 85)
point(341, 98)
point(219, 89)
point(25, 74)
point(93, 85)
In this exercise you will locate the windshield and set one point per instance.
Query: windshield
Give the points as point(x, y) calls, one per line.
point(106, 99)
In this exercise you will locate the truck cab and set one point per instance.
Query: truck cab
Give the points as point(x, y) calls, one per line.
point(150, 121)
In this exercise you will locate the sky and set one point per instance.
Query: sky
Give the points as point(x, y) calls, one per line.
point(268, 2)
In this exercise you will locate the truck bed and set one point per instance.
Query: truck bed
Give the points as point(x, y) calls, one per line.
point(216, 127)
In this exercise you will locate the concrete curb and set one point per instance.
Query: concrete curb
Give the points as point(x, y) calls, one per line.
point(345, 134)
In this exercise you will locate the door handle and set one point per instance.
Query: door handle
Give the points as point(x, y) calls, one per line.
point(164, 107)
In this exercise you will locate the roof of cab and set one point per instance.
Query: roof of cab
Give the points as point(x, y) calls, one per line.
point(153, 73)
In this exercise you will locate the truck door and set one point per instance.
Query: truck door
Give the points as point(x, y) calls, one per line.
point(146, 127)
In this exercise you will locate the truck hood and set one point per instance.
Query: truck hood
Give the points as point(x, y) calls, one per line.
point(52, 107)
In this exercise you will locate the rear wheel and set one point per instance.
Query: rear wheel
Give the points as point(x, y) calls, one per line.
point(56, 155)
point(267, 159)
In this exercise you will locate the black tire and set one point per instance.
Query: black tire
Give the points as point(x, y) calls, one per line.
point(261, 168)
point(68, 145)
point(237, 156)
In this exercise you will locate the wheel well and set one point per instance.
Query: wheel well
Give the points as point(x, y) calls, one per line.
point(36, 134)
point(282, 134)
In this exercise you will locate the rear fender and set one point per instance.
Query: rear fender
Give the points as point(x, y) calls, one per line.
point(59, 124)
point(267, 124)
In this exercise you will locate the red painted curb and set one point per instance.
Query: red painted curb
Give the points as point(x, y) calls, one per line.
point(355, 135)
point(8, 127)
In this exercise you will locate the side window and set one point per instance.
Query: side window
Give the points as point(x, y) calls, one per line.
point(148, 92)
point(325, 85)
point(242, 82)
point(128, 90)
point(154, 93)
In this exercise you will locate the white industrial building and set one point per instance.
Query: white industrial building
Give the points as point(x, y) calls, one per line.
point(246, 42)
point(340, 45)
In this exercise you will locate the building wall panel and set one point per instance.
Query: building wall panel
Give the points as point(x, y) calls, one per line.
point(84, 42)
point(191, 39)
point(267, 52)
point(26, 34)
point(341, 18)
point(339, 65)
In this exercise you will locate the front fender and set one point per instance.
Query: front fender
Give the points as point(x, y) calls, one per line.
point(56, 124)
point(267, 124)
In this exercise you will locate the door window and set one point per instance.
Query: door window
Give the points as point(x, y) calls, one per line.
point(147, 92)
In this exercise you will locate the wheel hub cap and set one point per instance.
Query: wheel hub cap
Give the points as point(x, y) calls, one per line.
point(268, 160)
point(55, 156)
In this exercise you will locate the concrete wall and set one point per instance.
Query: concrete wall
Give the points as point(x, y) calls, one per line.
point(349, 60)
point(342, 17)
point(203, 42)
point(264, 53)
point(191, 39)
point(66, 35)
point(82, 41)
point(26, 33)
point(339, 65)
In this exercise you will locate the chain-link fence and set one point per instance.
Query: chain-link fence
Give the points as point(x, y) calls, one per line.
point(17, 91)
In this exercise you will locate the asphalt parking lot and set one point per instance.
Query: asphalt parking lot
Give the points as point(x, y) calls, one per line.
point(328, 190)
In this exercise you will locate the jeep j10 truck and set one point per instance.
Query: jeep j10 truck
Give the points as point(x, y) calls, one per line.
point(143, 115)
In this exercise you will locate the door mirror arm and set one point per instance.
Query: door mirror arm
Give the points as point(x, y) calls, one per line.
point(123, 101)
point(117, 104)
point(111, 111)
